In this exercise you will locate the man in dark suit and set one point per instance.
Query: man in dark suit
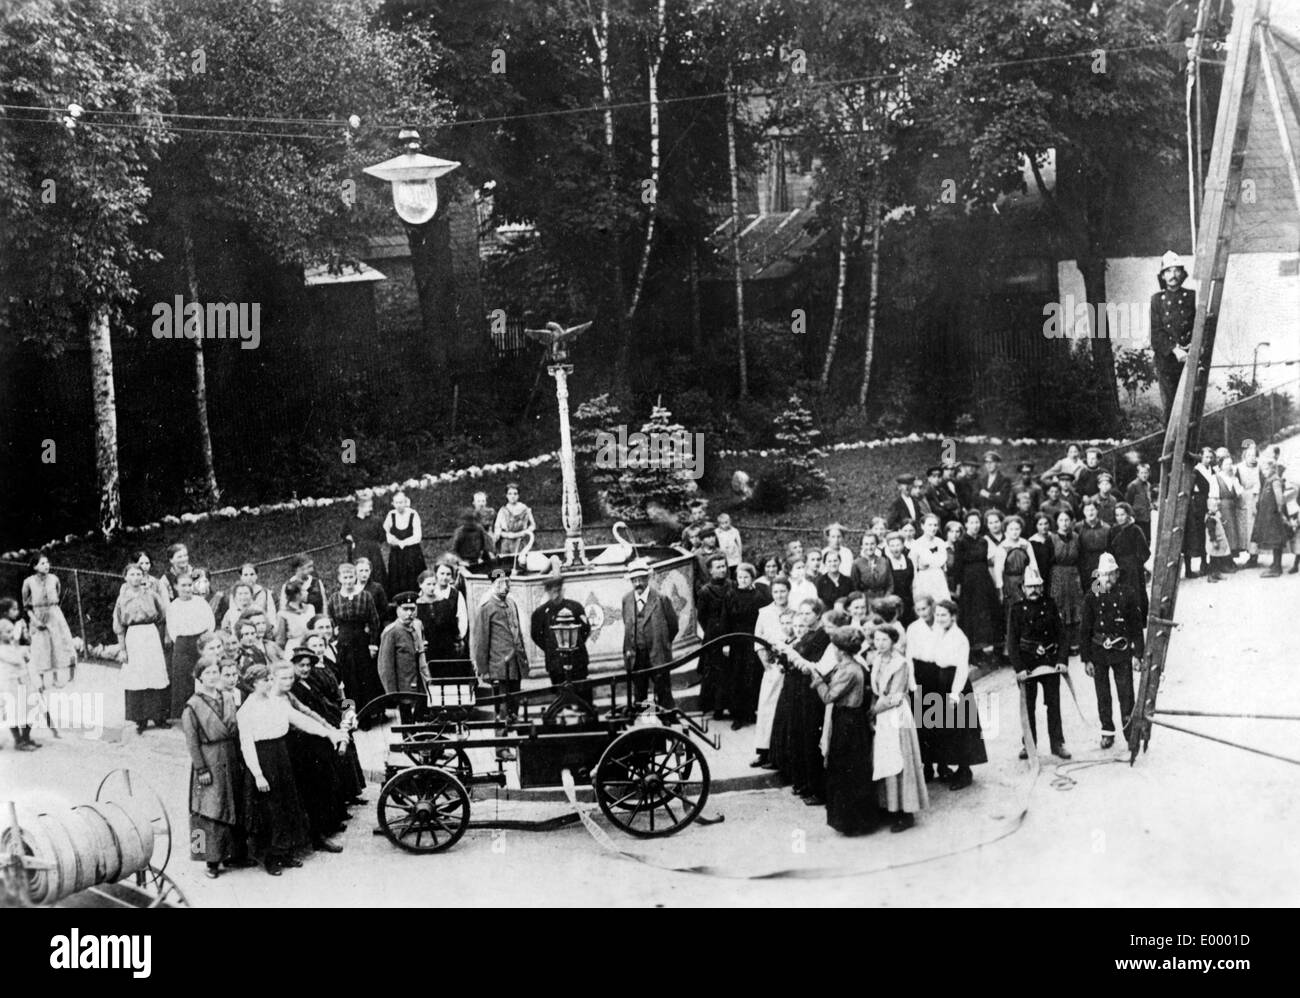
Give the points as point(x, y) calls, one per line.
point(1026, 482)
point(649, 627)
point(941, 495)
point(994, 490)
point(542, 635)
point(965, 483)
point(1085, 482)
point(904, 507)
point(1173, 314)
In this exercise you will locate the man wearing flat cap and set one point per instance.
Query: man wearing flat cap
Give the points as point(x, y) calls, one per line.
point(1173, 314)
point(498, 644)
point(649, 629)
point(904, 506)
point(994, 490)
point(965, 482)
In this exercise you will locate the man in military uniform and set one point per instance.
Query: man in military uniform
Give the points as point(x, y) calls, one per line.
point(1110, 641)
point(1173, 313)
point(401, 662)
point(1036, 640)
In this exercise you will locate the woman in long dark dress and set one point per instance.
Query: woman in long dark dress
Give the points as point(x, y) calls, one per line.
point(746, 669)
point(799, 757)
point(851, 805)
point(902, 572)
point(325, 778)
point(711, 605)
point(216, 774)
point(357, 624)
point(404, 533)
point(977, 596)
point(1067, 592)
point(960, 740)
point(365, 536)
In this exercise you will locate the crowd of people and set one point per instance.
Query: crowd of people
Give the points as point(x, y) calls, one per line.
point(968, 568)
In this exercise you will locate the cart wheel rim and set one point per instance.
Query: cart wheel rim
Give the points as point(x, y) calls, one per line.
point(143, 803)
point(652, 782)
point(423, 809)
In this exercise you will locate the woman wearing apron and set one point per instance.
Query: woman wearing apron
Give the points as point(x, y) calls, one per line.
point(136, 618)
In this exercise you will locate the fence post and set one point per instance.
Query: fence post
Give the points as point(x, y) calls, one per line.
point(81, 616)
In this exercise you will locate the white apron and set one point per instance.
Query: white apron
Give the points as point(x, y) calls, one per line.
point(146, 666)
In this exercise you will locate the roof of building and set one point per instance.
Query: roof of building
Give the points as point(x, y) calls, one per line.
point(772, 246)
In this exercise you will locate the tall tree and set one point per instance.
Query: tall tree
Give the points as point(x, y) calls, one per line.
point(91, 76)
point(1023, 79)
point(293, 188)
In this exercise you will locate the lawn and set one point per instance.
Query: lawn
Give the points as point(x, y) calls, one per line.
point(862, 483)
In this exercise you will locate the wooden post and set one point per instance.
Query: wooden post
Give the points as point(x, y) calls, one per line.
point(1222, 188)
point(81, 615)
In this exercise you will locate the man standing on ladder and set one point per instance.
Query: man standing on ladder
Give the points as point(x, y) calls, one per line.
point(1173, 313)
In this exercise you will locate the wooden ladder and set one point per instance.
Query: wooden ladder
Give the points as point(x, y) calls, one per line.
point(1213, 247)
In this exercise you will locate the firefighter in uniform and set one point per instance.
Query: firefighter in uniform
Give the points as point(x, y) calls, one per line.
point(1173, 313)
point(1036, 639)
point(1111, 643)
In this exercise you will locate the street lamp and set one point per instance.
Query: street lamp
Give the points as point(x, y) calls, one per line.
point(567, 631)
point(414, 178)
point(1254, 365)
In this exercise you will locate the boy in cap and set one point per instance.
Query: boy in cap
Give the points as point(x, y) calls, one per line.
point(1173, 314)
point(1111, 642)
point(994, 487)
point(1106, 498)
point(1026, 482)
point(941, 494)
point(1140, 495)
point(904, 507)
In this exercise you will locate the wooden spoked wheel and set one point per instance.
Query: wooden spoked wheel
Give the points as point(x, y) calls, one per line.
point(652, 782)
point(424, 809)
point(440, 752)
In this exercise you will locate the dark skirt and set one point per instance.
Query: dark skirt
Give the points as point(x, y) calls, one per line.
point(778, 746)
point(180, 668)
point(851, 807)
point(806, 770)
point(277, 823)
point(927, 682)
point(1271, 529)
point(981, 614)
point(404, 568)
point(148, 705)
point(316, 773)
point(355, 666)
point(746, 680)
point(960, 740)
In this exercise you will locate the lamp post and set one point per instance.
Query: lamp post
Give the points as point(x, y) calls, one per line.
point(414, 178)
point(1254, 367)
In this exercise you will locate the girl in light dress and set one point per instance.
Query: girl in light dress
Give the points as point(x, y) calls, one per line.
point(48, 631)
point(514, 523)
point(897, 767)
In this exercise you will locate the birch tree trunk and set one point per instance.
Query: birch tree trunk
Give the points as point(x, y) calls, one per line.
point(599, 25)
point(105, 407)
point(211, 494)
point(838, 321)
point(737, 270)
point(652, 80)
point(869, 347)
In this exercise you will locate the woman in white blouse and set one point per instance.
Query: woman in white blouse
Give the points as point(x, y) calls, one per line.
point(929, 553)
point(277, 822)
point(958, 741)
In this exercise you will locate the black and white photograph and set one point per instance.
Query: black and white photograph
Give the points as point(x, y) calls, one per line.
point(652, 454)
